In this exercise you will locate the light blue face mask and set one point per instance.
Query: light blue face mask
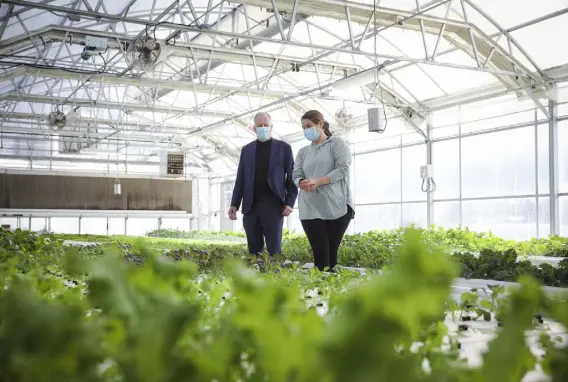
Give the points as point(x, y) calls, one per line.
point(263, 133)
point(311, 134)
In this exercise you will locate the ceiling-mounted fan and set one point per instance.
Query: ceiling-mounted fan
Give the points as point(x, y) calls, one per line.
point(343, 115)
point(57, 120)
point(143, 53)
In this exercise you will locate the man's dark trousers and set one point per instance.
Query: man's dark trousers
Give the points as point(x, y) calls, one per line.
point(264, 222)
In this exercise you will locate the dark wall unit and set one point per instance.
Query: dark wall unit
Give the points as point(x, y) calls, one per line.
point(92, 193)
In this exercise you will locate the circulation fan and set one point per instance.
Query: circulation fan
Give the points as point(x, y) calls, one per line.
point(343, 115)
point(56, 120)
point(143, 53)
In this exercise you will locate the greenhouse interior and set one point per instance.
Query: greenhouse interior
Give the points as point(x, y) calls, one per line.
point(128, 125)
point(491, 117)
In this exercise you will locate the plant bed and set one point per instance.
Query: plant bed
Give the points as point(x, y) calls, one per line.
point(364, 248)
point(74, 315)
point(373, 250)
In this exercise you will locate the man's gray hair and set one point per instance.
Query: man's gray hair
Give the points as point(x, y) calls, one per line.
point(262, 114)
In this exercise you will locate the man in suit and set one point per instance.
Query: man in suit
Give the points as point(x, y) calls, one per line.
point(265, 187)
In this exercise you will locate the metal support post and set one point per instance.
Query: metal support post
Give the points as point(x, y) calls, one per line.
point(196, 206)
point(460, 136)
point(401, 195)
point(80, 218)
point(210, 206)
point(536, 174)
point(353, 226)
point(430, 195)
point(553, 167)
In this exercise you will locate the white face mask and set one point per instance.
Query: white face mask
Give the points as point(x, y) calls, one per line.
point(263, 133)
point(311, 134)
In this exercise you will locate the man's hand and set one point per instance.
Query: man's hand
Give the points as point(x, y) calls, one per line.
point(309, 185)
point(232, 213)
point(287, 210)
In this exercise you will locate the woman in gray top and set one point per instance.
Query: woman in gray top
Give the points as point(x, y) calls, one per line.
point(321, 171)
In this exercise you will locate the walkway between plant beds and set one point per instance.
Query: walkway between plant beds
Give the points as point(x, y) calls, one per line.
point(462, 285)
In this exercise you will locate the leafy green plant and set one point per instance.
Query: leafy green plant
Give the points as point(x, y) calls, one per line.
point(508, 358)
point(495, 293)
point(374, 250)
point(504, 266)
point(131, 314)
point(447, 240)
point(197, 235)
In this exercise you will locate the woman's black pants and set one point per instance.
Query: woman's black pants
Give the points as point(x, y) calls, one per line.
point(325, 237)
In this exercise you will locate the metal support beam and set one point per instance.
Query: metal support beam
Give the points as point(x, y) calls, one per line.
point(155, 128)
point(350, 27)
point(430, 195)
point(278, 20)
point(153, 83)
point(432, 25)
point(261, 108)
point(457, 32)
point(4, 23)
point(422, 32)
point(553, 168)
point(197, 49)
point(244, 47)
point(20, 11)
point(506, 33)
point(86, 103)
point(82, 160)
point(293, 21)
point(41, 135)
point(536, 173)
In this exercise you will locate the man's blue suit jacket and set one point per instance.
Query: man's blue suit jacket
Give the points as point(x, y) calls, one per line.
point(280, 179)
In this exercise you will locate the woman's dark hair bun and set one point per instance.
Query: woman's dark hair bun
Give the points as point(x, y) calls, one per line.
point(326, 125)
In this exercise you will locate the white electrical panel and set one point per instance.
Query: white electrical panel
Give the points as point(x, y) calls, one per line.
point(172, 164)
point(426, 171)
point(98, 44)
point(375, 119)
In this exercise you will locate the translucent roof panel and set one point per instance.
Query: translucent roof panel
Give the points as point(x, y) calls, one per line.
point(511, 13)
point(545, 50)
point(408, 42)
point(315, 32)
point(416, 83)
point(35, 19)
point(453, 80)
point(289, 50)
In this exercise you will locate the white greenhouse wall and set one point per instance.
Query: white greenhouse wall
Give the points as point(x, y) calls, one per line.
point(491, 171)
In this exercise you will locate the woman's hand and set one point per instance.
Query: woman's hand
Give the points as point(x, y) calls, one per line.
point(309, 185)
